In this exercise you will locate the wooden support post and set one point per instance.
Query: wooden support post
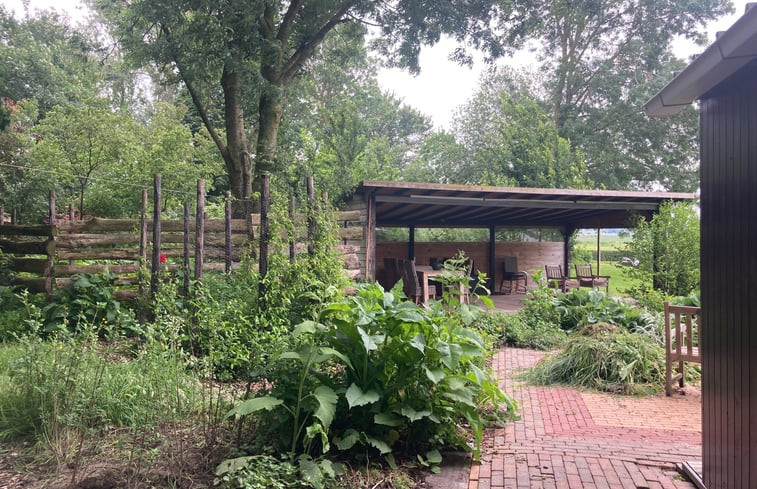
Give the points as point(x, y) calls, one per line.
point(265, 204)
point(2, 215)
point(71, 213)
point(411, 244)
point(293, 236)
point(311, 215)
point(567, 234)
point(200, 229)
point(186, 250)
point(51, 210)
point(492, 257)
point(156, 230)
point(227, 233)
point(143, 239)
point(599, 249)
point(370, 238)
point(14, 216)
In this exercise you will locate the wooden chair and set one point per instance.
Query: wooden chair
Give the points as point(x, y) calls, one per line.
point(392, 273)
point(411, 284)
point(511, 274)
point(681, 342)
point(586, 278)
point(556, 279)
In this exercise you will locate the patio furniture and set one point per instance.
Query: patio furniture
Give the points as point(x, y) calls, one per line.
point(392, 273)
point(556, 279)
point(681, 342)
point(512, 275)
point(586, 278)
point(415, 281)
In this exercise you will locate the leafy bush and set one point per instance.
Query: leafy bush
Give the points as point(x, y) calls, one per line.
point(374, 373)
point(604, 357)
point(668, 249)
point(524, 331)
point(15, 309)
point(90, 301)
point(580, 307)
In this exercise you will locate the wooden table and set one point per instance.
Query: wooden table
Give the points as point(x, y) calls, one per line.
point(426, 272)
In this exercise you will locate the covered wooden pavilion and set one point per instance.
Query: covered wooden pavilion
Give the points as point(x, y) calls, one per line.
point(415, 205)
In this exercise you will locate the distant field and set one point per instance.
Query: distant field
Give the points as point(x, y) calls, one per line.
point(618, 281)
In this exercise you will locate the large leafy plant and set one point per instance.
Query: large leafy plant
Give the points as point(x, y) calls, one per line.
point(376, 374)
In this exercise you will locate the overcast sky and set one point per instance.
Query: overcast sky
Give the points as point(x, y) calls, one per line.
point(442, 86)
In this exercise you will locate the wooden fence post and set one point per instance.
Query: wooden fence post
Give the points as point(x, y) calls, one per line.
point(200, 229)
point(186, 250)
point(265, 204)
point(311, 215)
point(227, 233)
point(71, 213)
point(157, 199)
point(293, 236)
point(2, 215)
point(143, 242)
point(51, 211)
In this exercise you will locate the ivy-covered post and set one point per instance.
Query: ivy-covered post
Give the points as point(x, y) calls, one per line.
point(156, 230)
point(143, 242)
point(185, 263)
point(200, 229)
point(265, 205)
point(227, 233)
point(311, 215)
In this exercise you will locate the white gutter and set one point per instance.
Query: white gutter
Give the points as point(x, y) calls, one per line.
point(734, 49)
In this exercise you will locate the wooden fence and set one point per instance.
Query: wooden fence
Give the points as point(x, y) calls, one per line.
point(46, 257)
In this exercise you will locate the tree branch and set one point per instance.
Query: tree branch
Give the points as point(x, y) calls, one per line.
point(303, 52)
point(195, 97)
point(285, 29)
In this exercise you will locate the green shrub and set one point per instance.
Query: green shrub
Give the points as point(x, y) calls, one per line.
point(374, 373)
point(89, 301)
point(604, 357)
point(580, 307)
point(525, 331)
point(15, 312)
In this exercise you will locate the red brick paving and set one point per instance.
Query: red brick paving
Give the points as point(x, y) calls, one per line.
point(567, 439)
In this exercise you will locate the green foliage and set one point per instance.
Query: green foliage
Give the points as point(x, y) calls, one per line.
point(667, 248)
point(605, 357)
point(524, 331)
point(374, 374)
point(580, 307)
point(88, 302)
point(55, 391)
point(17, 311)
point(257, 472)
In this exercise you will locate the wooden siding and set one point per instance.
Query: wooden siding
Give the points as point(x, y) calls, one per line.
point(729, 282)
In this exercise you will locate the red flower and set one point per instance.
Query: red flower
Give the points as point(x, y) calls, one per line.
point(162, 258)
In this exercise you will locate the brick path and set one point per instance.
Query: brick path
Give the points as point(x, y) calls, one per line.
point(568, 439)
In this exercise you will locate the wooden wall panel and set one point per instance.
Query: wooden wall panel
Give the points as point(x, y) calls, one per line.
point(729, 282)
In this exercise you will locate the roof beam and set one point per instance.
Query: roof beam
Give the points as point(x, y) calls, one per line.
point(529, 203)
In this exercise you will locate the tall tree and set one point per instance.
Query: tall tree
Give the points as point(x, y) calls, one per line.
point(510, 138)
point(247, 53)
point(601, 57)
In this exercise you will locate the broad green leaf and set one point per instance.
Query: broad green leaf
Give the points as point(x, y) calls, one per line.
point(419, 342)
point(380, 445)
point(356, 397)
point(231, 465)
point(434, 457)
point(464, 396)
point(444, 353)
point(327, 467)
point(471, 336)
point(488, 302)
point(252, 405)
point(388, 419)
point(292, 355)
point(314, 430)
point(348, 441)
point(310, 471)
point(389, 457)
point(370, 342)
point(435, 375)
point(304, 327)
point(479, 374)
point(326, 398)
point(414, 415)
point(435, 469)
point(332, 352)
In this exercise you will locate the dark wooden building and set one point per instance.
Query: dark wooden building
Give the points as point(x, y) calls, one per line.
point(724, 80)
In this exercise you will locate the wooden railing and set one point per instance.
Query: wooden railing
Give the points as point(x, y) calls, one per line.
point(682, 328)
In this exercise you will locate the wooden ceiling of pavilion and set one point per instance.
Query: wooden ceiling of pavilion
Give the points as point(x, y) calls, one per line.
point(404, 204)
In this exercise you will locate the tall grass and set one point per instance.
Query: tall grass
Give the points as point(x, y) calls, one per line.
point(58, 391)
point(605, 357)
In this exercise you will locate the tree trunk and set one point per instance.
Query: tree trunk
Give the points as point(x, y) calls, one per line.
point(270, 119)
point(237, 158)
